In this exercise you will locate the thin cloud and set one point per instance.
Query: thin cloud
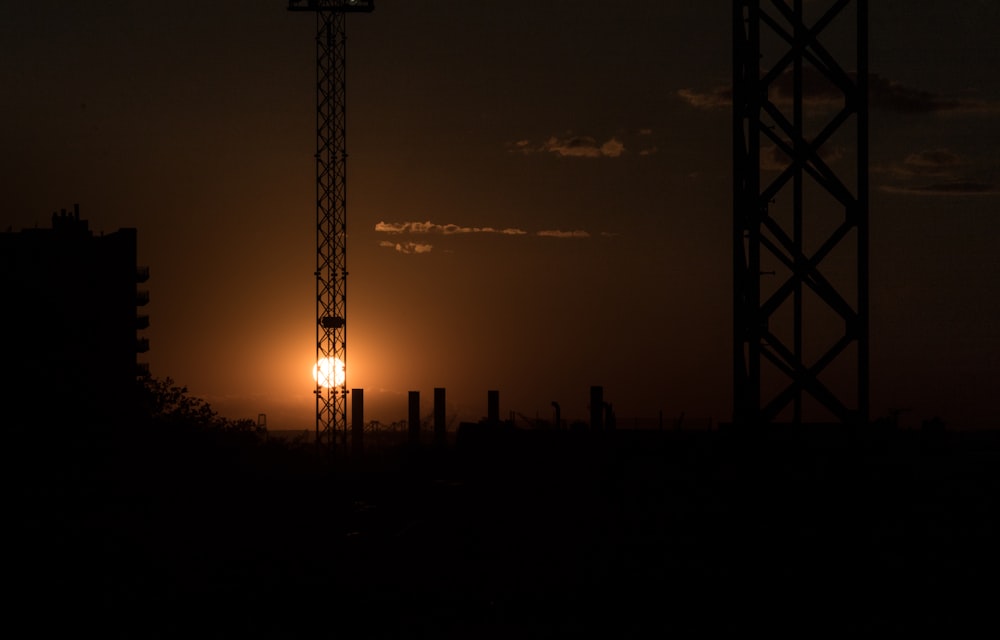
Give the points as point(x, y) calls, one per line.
point(583, 147)
point(956, 188)
point(392, 227)
point(572, 147)
point(930, 163)
point(428, 227)
point(896, 97)
point(718, 98)
point(407, 247)
point(935, 172)
point(444, 229)
point(613, 148)
point(554, 233)
point(883, 94)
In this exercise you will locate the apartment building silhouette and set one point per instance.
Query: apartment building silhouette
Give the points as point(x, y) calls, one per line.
point(71, 324)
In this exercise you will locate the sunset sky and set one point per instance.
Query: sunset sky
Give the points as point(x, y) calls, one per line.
point(539, 196)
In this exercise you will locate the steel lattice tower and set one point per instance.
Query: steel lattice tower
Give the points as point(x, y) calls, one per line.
point(331, 208)
point(800, 228)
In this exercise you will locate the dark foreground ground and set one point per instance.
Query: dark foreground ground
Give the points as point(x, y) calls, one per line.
point(526, 534)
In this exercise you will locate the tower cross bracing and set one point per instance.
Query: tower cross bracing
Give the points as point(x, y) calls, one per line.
point(800, 211)
point(331, 211)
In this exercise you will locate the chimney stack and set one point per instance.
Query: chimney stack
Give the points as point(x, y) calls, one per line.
point(493, 406)
point(597, 408)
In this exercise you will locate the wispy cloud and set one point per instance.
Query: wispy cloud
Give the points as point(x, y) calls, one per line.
point(956, 188)
point(720, 97)
point(427, 227)
point(935, 172)
point(555, 233)
point(896, 97)
point(572, 146)
point(884, 94)
point(407, 247)
point(444, 229)
point(931, 163)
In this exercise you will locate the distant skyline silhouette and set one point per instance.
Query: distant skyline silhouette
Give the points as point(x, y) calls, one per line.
point(539, 199)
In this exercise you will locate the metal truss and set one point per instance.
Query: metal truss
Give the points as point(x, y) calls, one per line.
point(331, 210)
point(338, 6)
point(800, 219)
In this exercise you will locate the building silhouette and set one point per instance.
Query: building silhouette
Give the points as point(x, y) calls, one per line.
point(71, 324)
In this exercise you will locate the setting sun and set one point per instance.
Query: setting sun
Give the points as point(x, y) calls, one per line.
point(329, 372)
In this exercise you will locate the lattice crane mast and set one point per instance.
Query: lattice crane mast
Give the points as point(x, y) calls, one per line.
point(804, 221)
point(331, 213)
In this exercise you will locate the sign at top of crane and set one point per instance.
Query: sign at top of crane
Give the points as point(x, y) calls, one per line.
point(343, 6)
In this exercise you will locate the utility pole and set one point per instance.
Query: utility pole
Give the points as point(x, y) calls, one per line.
point(800, 227)
point(331, 213)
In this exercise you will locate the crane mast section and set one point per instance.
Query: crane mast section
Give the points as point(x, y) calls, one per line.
point(331, 211)
point(800, 205)
point(339, 6)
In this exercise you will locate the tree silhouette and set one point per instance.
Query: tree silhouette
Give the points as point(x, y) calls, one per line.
point(164, 403)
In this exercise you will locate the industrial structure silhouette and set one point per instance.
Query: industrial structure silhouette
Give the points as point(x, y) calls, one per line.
point(783, 347)
point(586, 530)
point(331, 208)
point(72, 323)
point(773, 47)
point(781, 242)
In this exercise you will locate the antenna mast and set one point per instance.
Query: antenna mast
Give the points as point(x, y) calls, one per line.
point(331, 212)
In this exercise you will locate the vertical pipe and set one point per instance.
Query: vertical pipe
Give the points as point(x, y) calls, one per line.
point(597, 408)
point(440, 424)
point(357, 421)
point(413, 423)
point(493, 406)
